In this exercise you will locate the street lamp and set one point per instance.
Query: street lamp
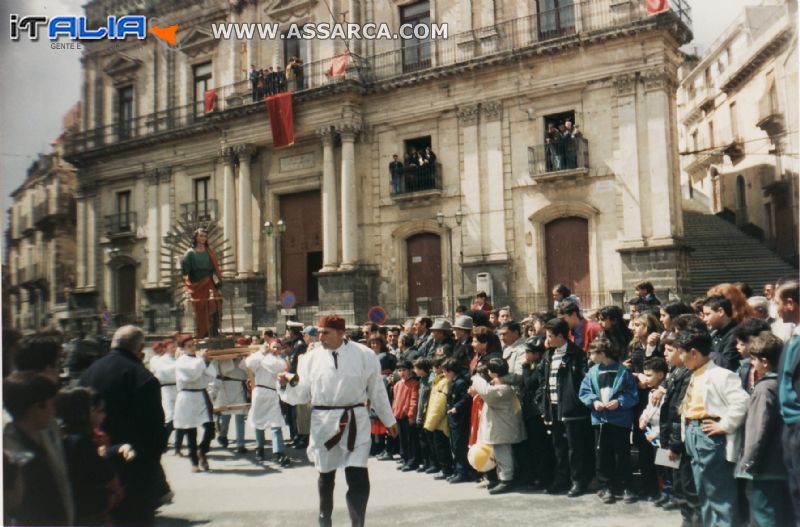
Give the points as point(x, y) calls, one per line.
point(440, 220)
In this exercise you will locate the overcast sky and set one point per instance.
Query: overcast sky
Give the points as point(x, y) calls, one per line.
point(39, 84)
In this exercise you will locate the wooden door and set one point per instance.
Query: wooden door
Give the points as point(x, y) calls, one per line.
point(424, 264)
point(126, 290)
point(302, 214)
point(567, 255)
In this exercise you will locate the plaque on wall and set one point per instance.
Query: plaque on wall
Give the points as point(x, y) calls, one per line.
point(298, 162)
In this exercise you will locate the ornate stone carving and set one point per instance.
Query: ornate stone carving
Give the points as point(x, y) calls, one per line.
point(286, 10)
point(227, 155)
point(625, 84)
point(657, 79)
point(122, 69)
point(197, 41)
point(326, 134)
point(468, 115)
point(245, 150)
point(492, 110)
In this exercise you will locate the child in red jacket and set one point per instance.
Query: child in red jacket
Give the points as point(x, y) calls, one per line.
point(404, 406)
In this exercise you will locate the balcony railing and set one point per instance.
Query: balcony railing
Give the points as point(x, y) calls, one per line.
point(502, 41)
point(414, 179)
point(552, 160)
point(199, 211)
point(121, 224)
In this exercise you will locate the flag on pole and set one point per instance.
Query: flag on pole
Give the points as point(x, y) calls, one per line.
point(339, 65)
point(209, 100)
point(281, 119)
point(655, 7)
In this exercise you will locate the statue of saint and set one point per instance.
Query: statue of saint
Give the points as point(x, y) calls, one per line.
point(202, 276)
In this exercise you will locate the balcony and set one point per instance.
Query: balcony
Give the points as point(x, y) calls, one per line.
point(770, 118)
point(25, 224)
point(701, 100)
point(564, 160)
point(505, 42)
point(121, 224)
point(50, 211)
point(199, 211)
point(417, 182)
point(702, 159)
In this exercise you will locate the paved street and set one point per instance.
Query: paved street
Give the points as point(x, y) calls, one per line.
point(240, 492)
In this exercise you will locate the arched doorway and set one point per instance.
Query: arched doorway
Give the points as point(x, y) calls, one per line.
point(567, 255)
point(125, 291)
point(424, 264)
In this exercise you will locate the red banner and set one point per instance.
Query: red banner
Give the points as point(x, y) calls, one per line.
point(655, 7)
point(339, 65)
point(210, 100)
point(281, 119)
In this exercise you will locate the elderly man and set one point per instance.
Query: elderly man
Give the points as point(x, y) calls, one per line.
point(462, 330)
point(425, 344)
point(133, 415)
point(338, 379)
point(442, 333)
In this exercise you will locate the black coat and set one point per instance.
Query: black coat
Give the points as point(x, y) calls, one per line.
point(568, 385)
point(89, 476)
point(298, 349)
point(723, 348)
point(670, 415)
point(458, 397)
point(531, 381)
point(462, 352)
point(396, 168)
point(133, 415)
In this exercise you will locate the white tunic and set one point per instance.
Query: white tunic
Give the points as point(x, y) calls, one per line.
point(163, 368)
point(265, 409)
point(231, 392)
point(356, 380)
point(191, 373)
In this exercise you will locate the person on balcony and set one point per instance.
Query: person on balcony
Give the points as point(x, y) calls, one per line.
point(201, 276)
point(428, 161)
point(552, 141)
point(569, 139)
point(297, 68)
point(396, 174)
point(254, 74)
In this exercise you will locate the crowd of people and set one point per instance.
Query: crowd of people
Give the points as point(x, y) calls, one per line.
point(695, 407)
point(265, 82)
point(417, 171)
point(562, 146)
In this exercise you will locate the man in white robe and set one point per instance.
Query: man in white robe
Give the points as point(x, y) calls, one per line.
point(338, 380)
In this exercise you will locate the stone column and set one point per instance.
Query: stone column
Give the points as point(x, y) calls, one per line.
point(330, 217)
point(628, 152)
point(91, 238)
point(152, 229)
point(470, 182)
point(164, 200)
point(495, 235)
point(245, 209)
point(80, 265)
point(349, 201)
point(229, 204)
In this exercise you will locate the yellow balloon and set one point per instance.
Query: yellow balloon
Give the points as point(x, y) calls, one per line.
point(481, 457)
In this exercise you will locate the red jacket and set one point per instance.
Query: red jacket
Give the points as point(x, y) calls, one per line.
point(591, 330)
point(406, 397)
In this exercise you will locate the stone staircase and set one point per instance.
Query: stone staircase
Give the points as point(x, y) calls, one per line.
point(723, 253)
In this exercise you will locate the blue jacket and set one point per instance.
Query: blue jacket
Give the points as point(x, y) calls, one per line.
point(623, 390)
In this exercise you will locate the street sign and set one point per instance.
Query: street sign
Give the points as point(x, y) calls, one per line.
point(288, 299)
point(377, 315)
point(288, 312)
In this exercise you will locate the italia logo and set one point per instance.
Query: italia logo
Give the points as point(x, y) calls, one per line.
point(78, 28)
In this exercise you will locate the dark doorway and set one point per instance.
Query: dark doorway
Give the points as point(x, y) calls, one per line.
point(301, 244)
point(567, 255)
point(424, 261)
point(126, 291)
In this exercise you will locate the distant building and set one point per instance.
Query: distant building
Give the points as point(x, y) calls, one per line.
point(39, 271)
point(738, 125)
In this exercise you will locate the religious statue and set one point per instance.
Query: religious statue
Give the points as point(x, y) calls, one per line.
point(201, 276)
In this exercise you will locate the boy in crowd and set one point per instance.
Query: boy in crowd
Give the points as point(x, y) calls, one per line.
point(743, 333)
point(713, 411)
point(562, 370)
point(541, 471)
point(718, 316)
point(609, 389)
point(762, 455)
point(404, 406)
point(458, 412)
point(654, 371)
point(436, 422)
point(422, 369)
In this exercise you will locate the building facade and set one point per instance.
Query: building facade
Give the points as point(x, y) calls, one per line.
point(322, 221)
point(40, 243)
point(738, 118)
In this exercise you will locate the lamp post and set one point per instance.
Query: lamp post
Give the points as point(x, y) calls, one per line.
point(440, 219)
point(274, 232)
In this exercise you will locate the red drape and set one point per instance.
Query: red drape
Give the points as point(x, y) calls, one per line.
point(281, 119)
point(209, 100)
point(655, 7)
point(339, 65)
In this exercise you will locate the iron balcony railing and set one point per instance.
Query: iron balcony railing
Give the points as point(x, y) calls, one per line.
point(407, 60)
point(550, 158)
point(412, 179)
point(121, 223)
point(199, 211)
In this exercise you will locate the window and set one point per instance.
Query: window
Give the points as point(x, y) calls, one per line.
point(202, 83)
point(734, 121)
point(293, 46)
point(416, 52)
point(556, 18)
point(201, 208)
point(125, 112)
point(201, 189)
point(124, 211)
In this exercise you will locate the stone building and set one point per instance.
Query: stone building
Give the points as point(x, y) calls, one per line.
point(500, 209)
point(40, 246)
point(738, 117)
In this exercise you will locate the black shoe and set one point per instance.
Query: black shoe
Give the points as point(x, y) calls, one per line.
point(441, 475)
point(285, 461)
point(629, 497)
point(576, 490)
point(502, 487)
point(223, 441)
point(260, 453)
point(422, 468)
point(325, 521)
point(241, 450)
point(459, 478)
point(606, 496)
point(662, 500)
point(384, 456)
point(671, 505)
point(431, 470)
point(557, 489)
point(408, 468)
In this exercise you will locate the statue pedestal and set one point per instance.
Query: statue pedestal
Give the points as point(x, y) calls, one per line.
point(215, 343)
